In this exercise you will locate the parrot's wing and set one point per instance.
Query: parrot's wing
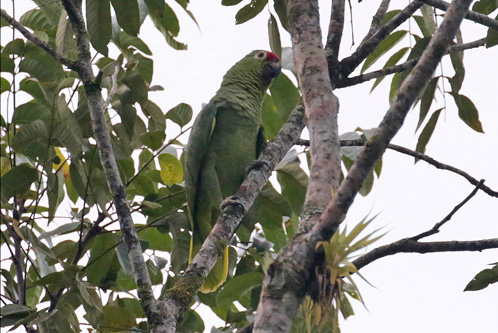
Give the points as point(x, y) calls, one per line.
point(195, 158)
point(196, 151)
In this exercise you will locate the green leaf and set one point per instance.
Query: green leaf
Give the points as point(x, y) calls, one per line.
point(238, 287)
point(468, 112)
point(136, 83)
point(388, 43)
point(294, 182)
point(426, 134)
point(128, 15)
point(483, 279)
point(427, 98)
point(29, 112)
point(153, 139)
point(250, 11)
point(180, 114)
point(274, 35)
point(145, 67)
point(98, 19)
point(457, 80)
point(167, 23)
point(35, 19)
point(15, 46)
point(277, 107)
point(65, 44)
point(7, 64)
point(492, 36)
point(157, 120)
point(55, 191)
point(42, 67)
point(274, 201)
point(51, 9)
point(35, 131)
point(156, 7)
point(393, 60)
point(428, 17)
point(171, 169)
point(116, 316)
point(126, 41)
point(32, 87)
point(485, 7)
point(281, 10)
point(101, 256)
point(4, 85)
point(17, 181)
point(157, 240)
point(230, 2)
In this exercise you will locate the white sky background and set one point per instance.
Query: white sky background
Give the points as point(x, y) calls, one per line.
point(412, 292)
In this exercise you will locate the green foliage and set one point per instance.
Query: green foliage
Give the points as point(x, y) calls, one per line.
point(320, 313)
point(483, 279)
point(55, 199)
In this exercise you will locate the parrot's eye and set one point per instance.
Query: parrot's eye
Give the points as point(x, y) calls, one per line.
point(260, 55)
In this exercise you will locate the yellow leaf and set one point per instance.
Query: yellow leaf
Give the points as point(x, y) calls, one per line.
point(171, 169)
point(65, 166)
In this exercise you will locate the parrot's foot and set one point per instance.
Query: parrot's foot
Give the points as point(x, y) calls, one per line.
point(256, 165)
point(232, 202)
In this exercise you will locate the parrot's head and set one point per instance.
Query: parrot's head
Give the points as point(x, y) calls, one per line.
point(258, 66)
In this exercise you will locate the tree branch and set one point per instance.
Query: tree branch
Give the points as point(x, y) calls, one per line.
point(288, 277)
point(347, 82)
point(408, 245)
point(349, 64)
point(109, 164)
point(336, 27)
point(321, 107)
point(420, 156)
point(178, 299)
point(435, 228)
point(38, 42)
point(471, 15)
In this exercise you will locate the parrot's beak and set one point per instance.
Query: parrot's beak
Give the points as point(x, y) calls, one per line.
point(271, 70)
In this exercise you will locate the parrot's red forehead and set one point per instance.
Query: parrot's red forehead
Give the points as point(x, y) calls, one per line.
point(270, 56)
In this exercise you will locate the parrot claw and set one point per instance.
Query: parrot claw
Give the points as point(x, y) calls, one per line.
point(233, 201)
point(256, 165)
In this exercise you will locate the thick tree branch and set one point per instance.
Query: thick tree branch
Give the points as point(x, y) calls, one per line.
point(38, 42)
point(178, 299)
point(109, 164)
point(347, 82)
point(420, 156)
point(321, 106)
point(288, 277)
point(336, 27)
point(349, 64)
point(408, 245)
point(471, 15)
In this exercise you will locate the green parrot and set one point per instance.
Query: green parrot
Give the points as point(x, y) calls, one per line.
point(226, 137)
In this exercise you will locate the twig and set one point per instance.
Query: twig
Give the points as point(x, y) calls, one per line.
point(471, 15)
point(114, 85)
point(408, 245)
point(420, 156)
point(435, 228)
point(347, 82)
point(37, 41)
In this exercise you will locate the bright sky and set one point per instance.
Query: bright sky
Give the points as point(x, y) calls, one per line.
point(412, 292)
